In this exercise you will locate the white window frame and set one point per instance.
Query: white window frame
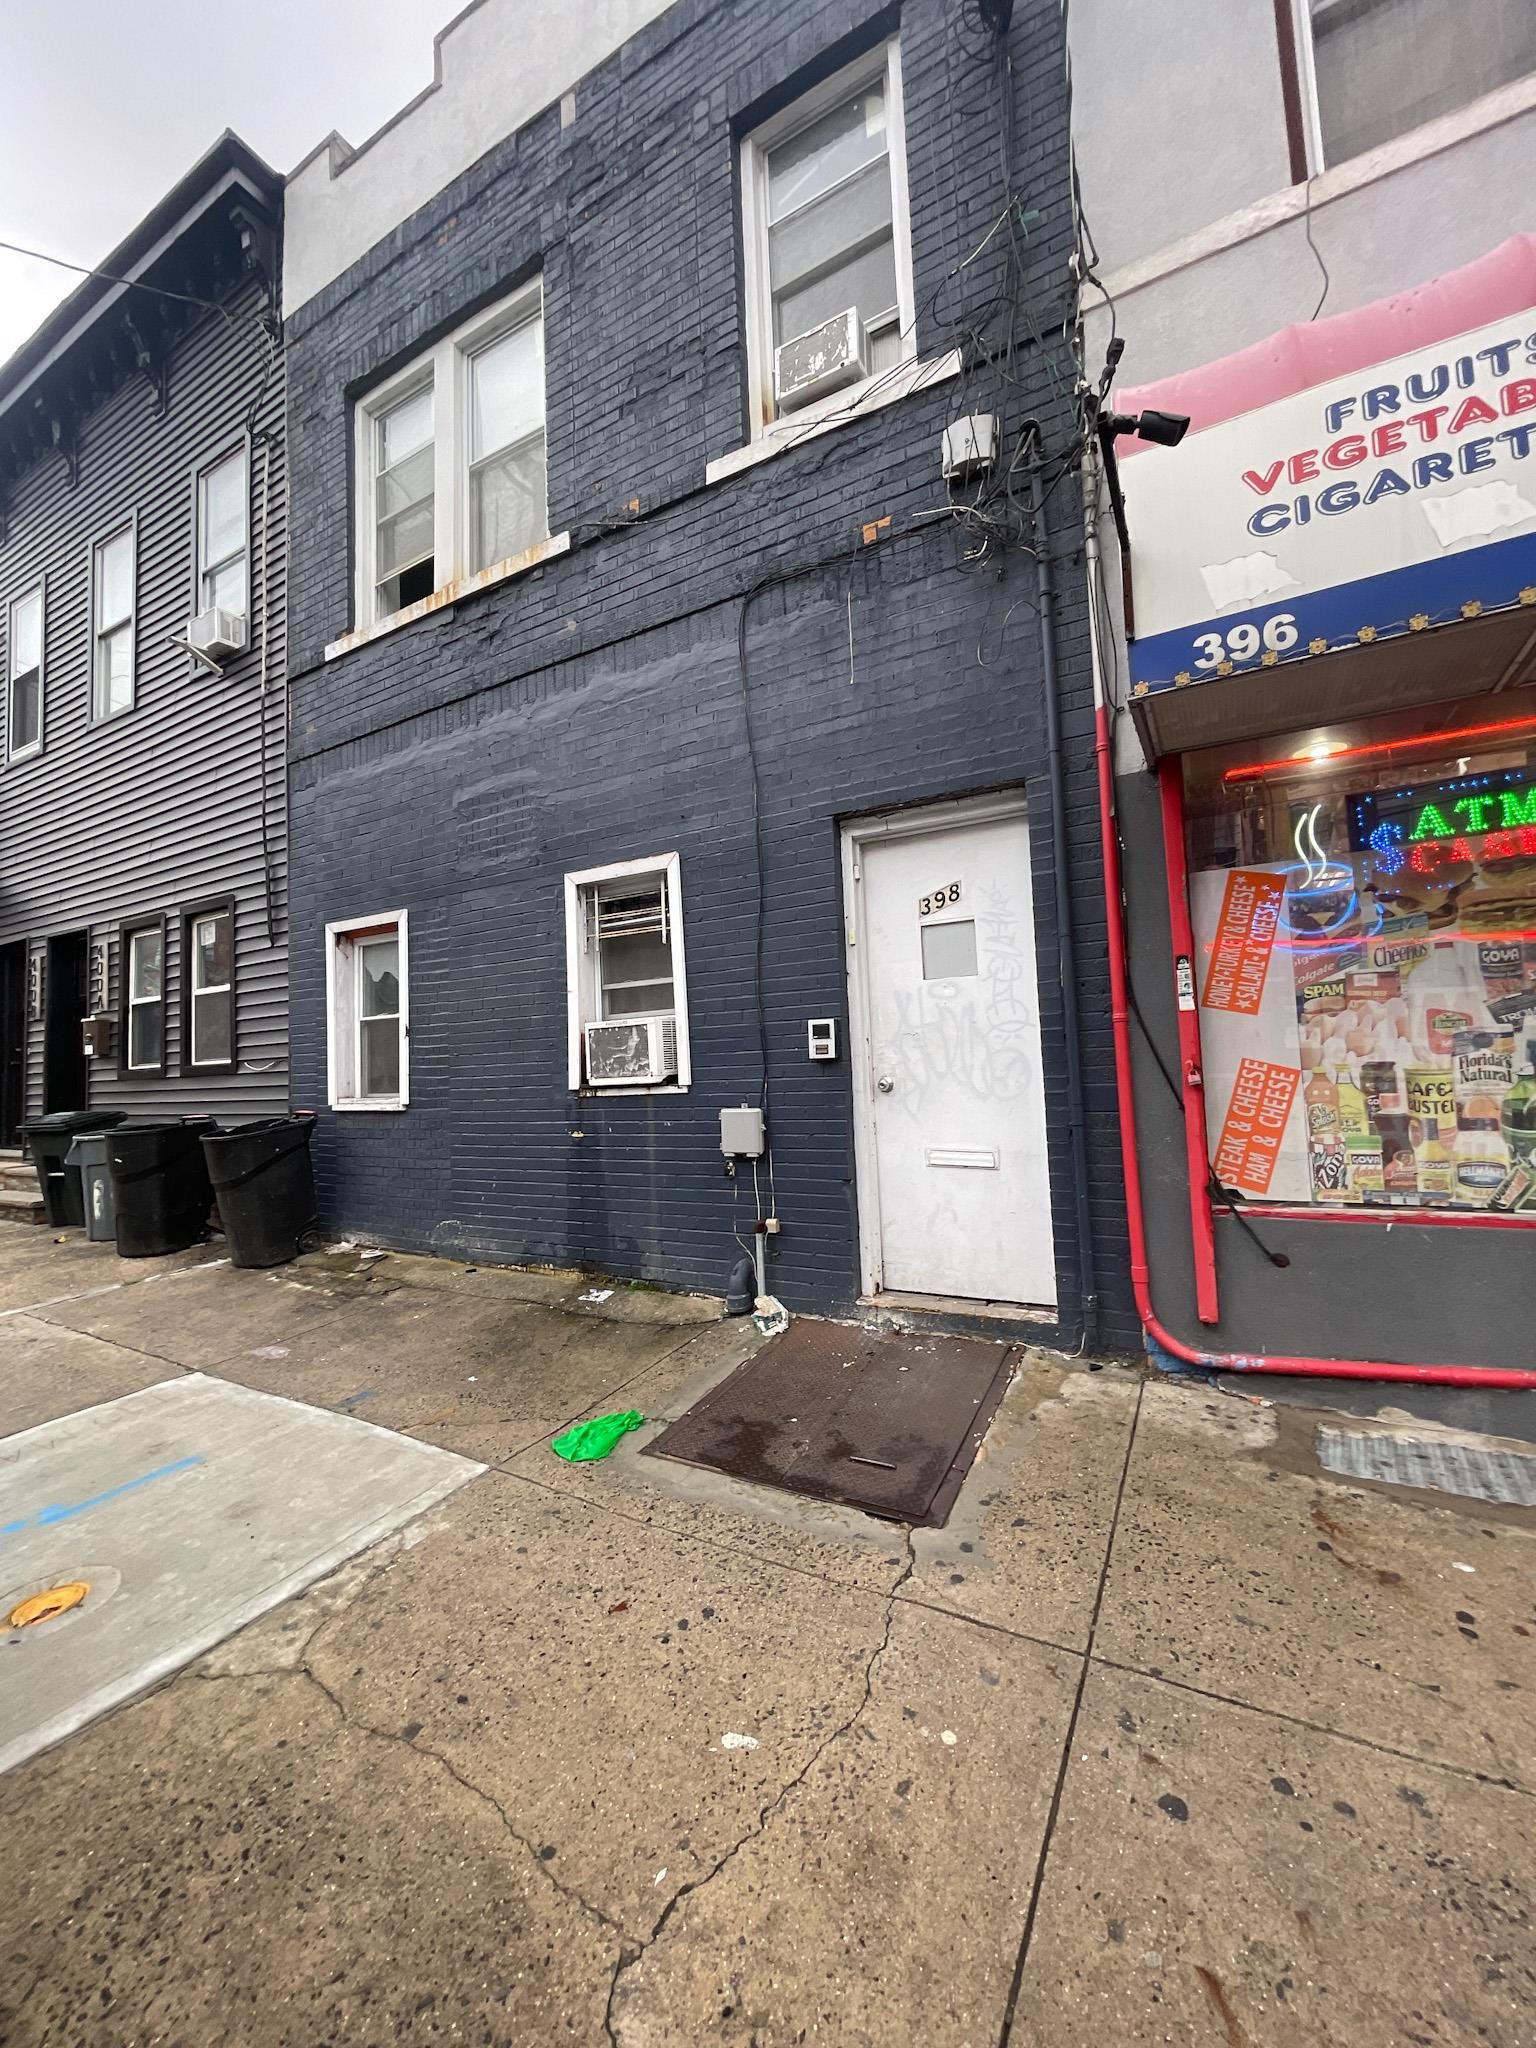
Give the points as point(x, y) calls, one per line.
point(342, 1010)
point(131, 1002)
point(13, 675)
point(194, 989)
point(581, 967)
point(445, 367)
point(1311, 105)
point(884, 61)
point(202, 570)
point(130, 528)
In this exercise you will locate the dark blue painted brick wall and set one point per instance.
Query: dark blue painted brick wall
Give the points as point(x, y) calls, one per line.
point(592, 711)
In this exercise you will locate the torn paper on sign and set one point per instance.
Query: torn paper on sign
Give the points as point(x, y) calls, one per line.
point(1244, 580)
point(1476, 512)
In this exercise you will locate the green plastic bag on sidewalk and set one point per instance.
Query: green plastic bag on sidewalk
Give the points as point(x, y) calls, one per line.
point(595, 1439)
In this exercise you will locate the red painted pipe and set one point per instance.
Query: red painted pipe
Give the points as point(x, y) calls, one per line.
point(1191, 1062)
point(1216, 1361)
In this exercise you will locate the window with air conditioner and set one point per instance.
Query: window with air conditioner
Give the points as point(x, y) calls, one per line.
point(450, 457)
point(1374, 69)
point(627, 981)
point(367, 988)
point(24, 672)
point(826, 240)
point(208, 988)
point(113, 612)
point(141, 1024)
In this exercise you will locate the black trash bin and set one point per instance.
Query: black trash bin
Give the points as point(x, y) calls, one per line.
point(265, 1185)
point(159, 1186)
point(48, 1140)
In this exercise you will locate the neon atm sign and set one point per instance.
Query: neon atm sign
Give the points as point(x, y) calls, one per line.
point(1471, 817)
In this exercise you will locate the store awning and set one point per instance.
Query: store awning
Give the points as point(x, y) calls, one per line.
point(1438, 666)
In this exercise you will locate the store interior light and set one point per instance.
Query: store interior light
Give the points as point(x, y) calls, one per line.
point(1317, 752)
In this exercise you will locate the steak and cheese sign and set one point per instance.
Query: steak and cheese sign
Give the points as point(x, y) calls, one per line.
point(1395, 499)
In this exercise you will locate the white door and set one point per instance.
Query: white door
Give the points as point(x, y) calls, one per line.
point(954, 1193)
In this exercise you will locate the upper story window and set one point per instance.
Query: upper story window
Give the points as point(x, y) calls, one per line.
point(223, 535)
point(112, 624)
point(451, 460)
point(1381, 67)
point(826, 239)
point(24, 669)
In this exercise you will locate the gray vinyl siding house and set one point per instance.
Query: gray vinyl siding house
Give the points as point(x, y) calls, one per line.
point(150, 405)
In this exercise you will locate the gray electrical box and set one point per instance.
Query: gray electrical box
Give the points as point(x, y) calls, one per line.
point(741, 1133)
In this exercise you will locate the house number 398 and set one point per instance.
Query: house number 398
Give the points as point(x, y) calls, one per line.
point(950, 893)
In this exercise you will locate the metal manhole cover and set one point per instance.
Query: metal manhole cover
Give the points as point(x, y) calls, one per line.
point(885, 1423)
point(1448, 1468)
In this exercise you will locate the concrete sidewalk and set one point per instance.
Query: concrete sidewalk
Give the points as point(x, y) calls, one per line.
point(1168, 1736)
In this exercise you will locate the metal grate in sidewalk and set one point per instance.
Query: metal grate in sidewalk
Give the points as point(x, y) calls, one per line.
point(1413, 1461)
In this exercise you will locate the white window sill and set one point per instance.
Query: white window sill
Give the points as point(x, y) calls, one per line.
point(450, 593)
point(591, 1094)
point(1507, 103)
point(378, 1102)
point(837, 410)
point(24, 754)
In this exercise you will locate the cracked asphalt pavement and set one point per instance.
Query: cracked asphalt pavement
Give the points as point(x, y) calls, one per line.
point(1168, 1736)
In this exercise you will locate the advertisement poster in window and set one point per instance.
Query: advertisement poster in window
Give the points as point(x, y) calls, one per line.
point(1399, 989)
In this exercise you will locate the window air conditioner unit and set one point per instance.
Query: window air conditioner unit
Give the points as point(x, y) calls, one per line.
point(830, 356)
point(217, 633)
point(630, 1051)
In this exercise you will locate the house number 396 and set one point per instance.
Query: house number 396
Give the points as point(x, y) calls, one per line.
point(950, 893)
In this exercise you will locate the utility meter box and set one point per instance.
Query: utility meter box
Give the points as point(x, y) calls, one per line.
point(741, 1133)
point(96, 1035)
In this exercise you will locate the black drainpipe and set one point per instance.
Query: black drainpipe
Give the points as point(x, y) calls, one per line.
point(1066, 945)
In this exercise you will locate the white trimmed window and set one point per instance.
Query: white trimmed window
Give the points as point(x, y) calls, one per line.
point(450, 457)
point(825, 234)
point(208, 986)
point(1374, 69)
point(627, 984)
point(367, 991)
point(143, 957)
point(24, 670)
point(223, 534)
point(113, 576)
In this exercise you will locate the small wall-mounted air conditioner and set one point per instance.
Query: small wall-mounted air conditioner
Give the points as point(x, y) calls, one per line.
point(628, 1053)
point(830, 356)
point(217, 633)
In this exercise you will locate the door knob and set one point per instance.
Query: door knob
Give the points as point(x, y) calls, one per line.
point(885, 1084)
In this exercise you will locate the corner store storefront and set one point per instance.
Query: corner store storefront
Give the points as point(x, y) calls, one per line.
point(1330, 874)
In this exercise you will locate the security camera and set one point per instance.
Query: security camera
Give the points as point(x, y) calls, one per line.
point(1167, 429)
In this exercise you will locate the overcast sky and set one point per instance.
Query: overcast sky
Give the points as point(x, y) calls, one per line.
point(107, 102)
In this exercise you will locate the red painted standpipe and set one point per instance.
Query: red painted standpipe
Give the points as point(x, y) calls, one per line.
point(1216, 1361)
point(1191, 1070)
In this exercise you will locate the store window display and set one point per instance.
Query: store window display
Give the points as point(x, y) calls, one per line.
point(1363, 898)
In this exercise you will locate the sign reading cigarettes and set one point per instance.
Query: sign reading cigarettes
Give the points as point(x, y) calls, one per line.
point(1383, 501)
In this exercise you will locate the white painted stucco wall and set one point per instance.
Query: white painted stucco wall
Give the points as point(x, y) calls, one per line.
point(497, 64)
point(1177, 116)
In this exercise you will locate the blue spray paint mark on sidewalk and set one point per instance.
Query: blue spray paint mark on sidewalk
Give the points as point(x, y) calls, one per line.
point(50, 1517)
